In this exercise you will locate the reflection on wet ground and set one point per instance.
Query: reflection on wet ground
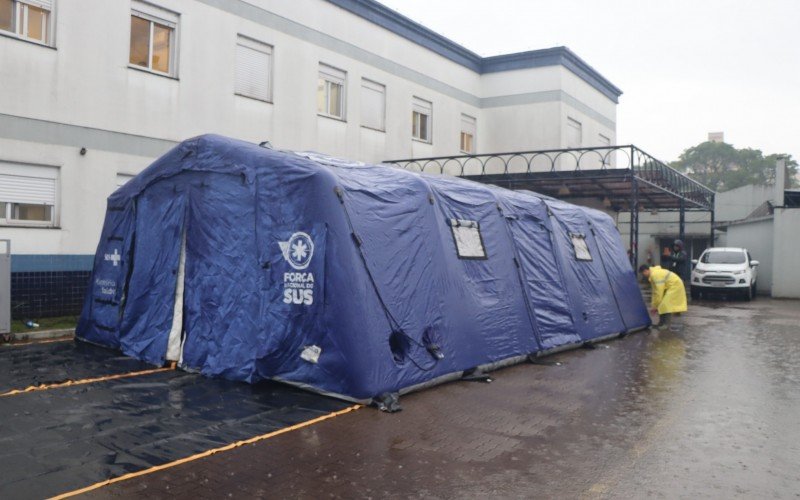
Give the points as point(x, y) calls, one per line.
point(65, 438)
point(709, 410)
point(55, 362)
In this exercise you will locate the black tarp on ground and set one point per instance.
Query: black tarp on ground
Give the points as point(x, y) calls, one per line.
point(22, 366)
point(62, 439)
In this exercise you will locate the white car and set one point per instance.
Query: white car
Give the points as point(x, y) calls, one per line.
point(725, 270)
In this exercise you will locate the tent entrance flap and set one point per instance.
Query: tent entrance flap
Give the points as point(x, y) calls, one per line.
point(545, 289)
point(175, 341)
point(150, 302)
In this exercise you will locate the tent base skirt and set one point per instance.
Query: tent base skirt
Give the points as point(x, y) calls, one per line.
point(481, 371)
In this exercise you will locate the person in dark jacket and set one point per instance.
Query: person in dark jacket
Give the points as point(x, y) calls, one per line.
point(677, 260)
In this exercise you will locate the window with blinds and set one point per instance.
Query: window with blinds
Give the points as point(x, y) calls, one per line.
point(28, 194)
point(574, 133)
point(29, 19)
point(153, 43)
point(468, 133)
point(253, 69)
point(331, 92)
point(421, 114)
point(123, 179)
point(373, 105)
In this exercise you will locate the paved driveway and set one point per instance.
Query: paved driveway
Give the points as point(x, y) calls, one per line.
point(709, 410)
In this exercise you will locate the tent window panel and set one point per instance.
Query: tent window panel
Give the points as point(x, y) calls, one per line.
point(580, 247)
point(468, 239)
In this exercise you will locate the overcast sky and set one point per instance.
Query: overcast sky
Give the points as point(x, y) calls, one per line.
point(686, 67)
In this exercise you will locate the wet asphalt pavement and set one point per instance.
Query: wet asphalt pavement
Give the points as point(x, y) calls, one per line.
point(711, 410)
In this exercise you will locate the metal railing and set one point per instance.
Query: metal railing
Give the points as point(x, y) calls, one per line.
point(646, 168)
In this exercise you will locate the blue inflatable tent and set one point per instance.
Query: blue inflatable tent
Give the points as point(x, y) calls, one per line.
point(352, 280)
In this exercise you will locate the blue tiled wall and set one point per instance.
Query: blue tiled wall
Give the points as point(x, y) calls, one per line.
point(48, 285)
point(21, 263)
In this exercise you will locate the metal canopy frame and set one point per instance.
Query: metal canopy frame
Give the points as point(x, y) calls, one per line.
point(625, 178)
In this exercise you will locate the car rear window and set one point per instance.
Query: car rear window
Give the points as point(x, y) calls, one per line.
point(723, 258)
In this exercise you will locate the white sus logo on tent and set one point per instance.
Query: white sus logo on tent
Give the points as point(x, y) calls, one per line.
point(298, 250)
point(298, 287)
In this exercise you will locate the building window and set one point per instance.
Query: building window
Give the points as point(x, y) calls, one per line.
point(330, 92)
point(467, 134)
point(153, 38)
point(604, 141)
point(421, 114)
point(580, 247)
point(574, 133)
point(253, 69)
point(29, 19)
point(468, 239)
point(27, 195)
point(123, 179)
point(373, 105)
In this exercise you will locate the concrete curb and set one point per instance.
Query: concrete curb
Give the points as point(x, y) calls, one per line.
point(42, 334)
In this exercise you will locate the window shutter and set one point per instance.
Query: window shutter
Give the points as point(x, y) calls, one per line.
point(468, 125)
point(422, 106)
point(574, 133)
point(122, 179)
point(32, 190)
point(154, 13)
point(373, 104)
point(332, 74)
point(44, 4)
point(253, 64)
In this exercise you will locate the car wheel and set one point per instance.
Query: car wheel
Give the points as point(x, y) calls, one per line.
point(748, 294)
point(695, 293)
point(753, 290)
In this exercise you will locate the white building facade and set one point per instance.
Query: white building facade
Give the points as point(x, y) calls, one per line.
point(93, 91)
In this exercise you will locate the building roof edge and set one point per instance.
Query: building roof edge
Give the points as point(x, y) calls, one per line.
point(389, 19)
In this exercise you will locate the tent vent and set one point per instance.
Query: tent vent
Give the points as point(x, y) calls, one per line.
point(468, 239)
point(435, 351)
point(580, 247)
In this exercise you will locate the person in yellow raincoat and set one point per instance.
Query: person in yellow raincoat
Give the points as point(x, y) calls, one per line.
point(669, 295)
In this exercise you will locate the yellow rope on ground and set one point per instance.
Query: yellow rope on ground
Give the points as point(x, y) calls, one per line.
point(69, 383)
point(49, 341)
point(207, 453)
